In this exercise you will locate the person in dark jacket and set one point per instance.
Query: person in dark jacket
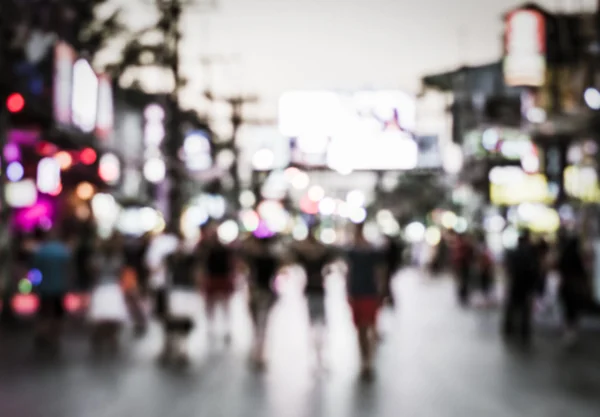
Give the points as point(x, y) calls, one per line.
point(393, 259)
point(263, 265)
point(463, 260)
point(218, 264)
point(574, 287)
point(523, 271)
point(315, 258)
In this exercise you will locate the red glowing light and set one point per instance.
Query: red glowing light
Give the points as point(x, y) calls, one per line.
point(25, 304)
point(46, 149)
point(15, 103)
point(75, 303)
point(88, 156)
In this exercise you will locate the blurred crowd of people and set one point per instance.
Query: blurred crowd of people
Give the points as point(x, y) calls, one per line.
point(135, 277)
point(537, 275)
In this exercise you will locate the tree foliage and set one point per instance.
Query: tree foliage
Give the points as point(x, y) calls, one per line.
point(416, 195)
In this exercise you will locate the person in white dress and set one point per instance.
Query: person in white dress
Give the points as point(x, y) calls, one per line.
point(108, 309)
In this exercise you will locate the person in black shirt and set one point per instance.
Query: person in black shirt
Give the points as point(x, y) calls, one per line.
point(574, 289)
point(314, 257)
point(393, 256)
point(523, 276)
point(263, 265)
point(218, 269)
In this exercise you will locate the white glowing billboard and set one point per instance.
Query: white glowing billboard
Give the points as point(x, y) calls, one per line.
point(386, 151)
point(84, 99)
point(365, 130)
point(328, 113)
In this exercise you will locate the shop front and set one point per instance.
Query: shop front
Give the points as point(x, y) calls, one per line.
point(53, 156)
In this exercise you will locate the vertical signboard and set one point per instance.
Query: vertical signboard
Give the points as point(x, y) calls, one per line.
point(525, 49)
point(105, 115)
point(84, 97)
point(64, 59)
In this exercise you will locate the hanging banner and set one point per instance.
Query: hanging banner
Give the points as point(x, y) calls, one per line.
point(525, 49)
point(105, 113)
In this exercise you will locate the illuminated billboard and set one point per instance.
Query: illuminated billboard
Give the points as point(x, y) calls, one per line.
point(510, 185)
point(365, 130)
point(328, 113)
point(84, 96)
point(581, 183)
point(525, 49)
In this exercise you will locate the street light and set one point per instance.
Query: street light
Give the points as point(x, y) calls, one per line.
point(592, 98)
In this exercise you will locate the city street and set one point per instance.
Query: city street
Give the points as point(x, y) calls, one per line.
point(435, 360)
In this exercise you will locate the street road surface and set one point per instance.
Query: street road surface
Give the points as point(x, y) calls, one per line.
point(436, 360)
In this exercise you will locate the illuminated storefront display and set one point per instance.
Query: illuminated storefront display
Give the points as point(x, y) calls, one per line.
point(581, 183)
point(525, 49)
point(512, 186)
point(506, 143)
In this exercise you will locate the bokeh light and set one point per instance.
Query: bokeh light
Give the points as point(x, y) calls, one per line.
point(35, 277)
point(88, 156)
point(64, 159)
point(25, 286)
point(15, 171)
point(85, 191)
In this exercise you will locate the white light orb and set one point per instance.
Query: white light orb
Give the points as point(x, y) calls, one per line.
point(358, 215)
point(155, 170)
point(316, 193)
point(327, 206)
point(228, 231)
point(592, 98)
point(300, 180)
point(356, 198)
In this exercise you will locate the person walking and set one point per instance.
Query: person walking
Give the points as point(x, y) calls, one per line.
point(462, 260)
point(263, 265)
point(523, 272)
point(54, 262)
point(574, 290)
point(484, 261)
point(218, 266)
point(393, 257)
point(365, 276)
point(314, 256)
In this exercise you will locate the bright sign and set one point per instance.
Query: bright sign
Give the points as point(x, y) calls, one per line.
point(21, 194)
point(525, 49)
point(48, 175)
point(511, 186)
point(84, 99)
point(364, 130)
point(329, 114)
point(105, 115)
point(388, 151)
point(582, 183)
point(64, 58)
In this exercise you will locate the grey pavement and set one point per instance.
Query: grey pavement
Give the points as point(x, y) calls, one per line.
point(436, 360)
